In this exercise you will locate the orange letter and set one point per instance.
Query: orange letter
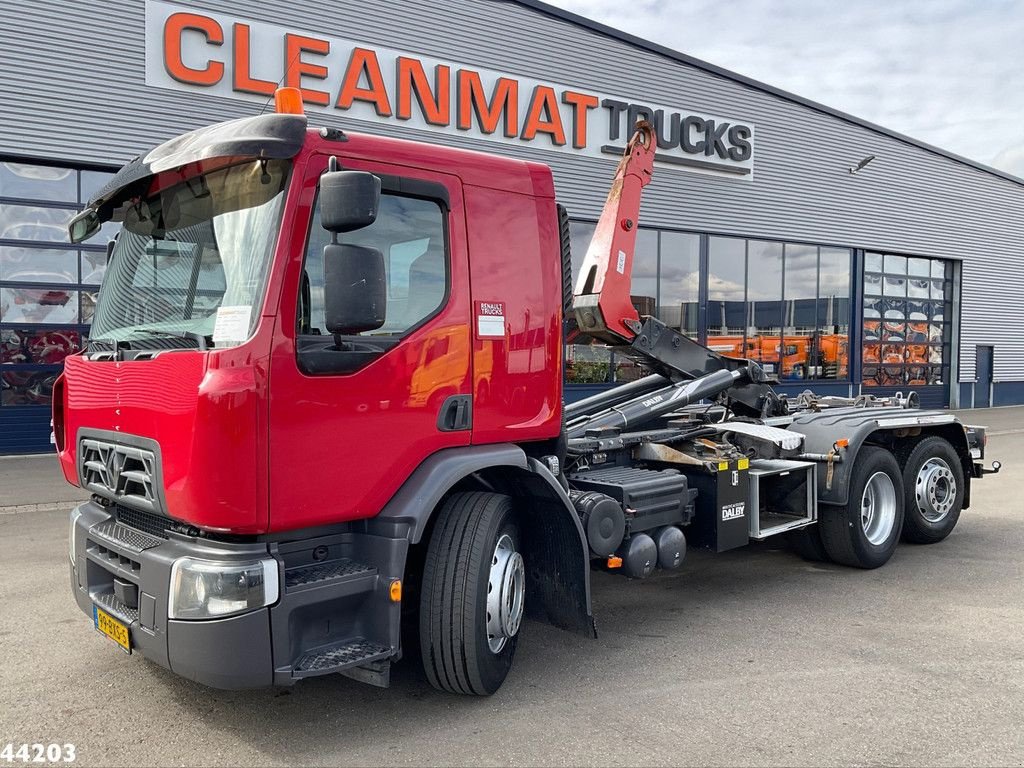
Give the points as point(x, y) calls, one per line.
point(472, 101)
point(435, 106)
point(544, 101)
point(294, 47)
point(174, 27)
point(581, 103)
point(364, 61)
point(242, 79)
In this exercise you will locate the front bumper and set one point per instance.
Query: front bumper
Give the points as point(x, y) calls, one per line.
point(334, 613)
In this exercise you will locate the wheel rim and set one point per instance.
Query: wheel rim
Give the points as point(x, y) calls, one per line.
point(506, 585)
point(935, 489)
point(878, 508)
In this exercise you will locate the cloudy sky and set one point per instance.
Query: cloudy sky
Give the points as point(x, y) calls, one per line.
point(947, 72)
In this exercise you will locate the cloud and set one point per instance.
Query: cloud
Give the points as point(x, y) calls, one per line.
point(945, 72)
point(1011, 160)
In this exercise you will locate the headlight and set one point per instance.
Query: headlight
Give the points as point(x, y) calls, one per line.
point(75, 514)
point(204, 589)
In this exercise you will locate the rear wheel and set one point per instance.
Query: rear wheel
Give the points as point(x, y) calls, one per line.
point(472, 600)
point(864, 532)
point(934, 481)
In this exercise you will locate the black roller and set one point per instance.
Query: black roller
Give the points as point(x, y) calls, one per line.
point(639, 556)
point(671, 543)
point(603, 520)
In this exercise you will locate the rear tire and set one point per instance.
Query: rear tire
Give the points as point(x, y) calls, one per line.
point(471, 604)
point(933, 478)
point(864, 532)
point(807, 543)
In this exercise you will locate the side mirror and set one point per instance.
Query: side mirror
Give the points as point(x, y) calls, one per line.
point(355, 293)
point(348, 200)
point(83, 226)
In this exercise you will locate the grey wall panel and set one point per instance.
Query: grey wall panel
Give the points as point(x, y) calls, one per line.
point(72, 87)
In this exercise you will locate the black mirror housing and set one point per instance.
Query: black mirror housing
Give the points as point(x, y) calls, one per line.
point(348, 200)
point(355, 294)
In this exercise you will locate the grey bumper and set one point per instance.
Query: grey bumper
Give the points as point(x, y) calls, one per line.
point(332, 615)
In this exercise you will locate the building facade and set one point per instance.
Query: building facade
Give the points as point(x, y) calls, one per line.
point(844, 257)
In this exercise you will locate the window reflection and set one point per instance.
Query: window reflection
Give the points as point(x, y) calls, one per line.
point(644, 286)
point(94, 265)
point(905, 313)
point(93, 182)
point(34, 346)
point(680, 281)
point(38, 265)
point(34, 223)
point(27, 387)
point(38, 182)
point(38, 305)
point(727, 279)
point(764, 305)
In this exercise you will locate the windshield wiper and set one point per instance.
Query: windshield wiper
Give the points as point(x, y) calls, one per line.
point(202, 342)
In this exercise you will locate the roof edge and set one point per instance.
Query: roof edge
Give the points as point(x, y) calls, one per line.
point(639, 42)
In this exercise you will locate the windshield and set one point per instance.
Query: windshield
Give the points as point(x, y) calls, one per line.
point(189, 264)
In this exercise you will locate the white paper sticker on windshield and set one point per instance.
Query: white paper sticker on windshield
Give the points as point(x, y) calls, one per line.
point(232, 325)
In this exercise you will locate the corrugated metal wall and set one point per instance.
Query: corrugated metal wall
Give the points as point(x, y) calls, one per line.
point(72, 87)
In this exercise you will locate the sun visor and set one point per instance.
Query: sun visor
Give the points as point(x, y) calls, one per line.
point(273, 136)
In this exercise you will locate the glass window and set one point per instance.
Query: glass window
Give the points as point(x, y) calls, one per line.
point(37, 265)
point(644, 286)
point(27, 387)
point(409, 232)
point(799, 341)
point(94, 265)
point(727, 278)
point(38, 182)
point(905, 340)
point(680, 281)
point(37, 346)
point(580, 235)
point(189, 250)
point(833, 329)
point(895, 265)
point(38, 305)
point(764, 303)
point(872, 262)
point(92, 182)
point(34, 223)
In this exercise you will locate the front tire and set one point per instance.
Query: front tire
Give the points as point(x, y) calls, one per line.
point(934, 481)
point(472, 600)
point(864, 532)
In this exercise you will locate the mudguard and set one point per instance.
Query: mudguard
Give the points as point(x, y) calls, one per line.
point(554, 544)
point(823, 429)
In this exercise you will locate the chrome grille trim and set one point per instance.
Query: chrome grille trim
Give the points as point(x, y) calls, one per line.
point(121, 473)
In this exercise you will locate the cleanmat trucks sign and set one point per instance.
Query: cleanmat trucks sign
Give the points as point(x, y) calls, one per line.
point(215, 53)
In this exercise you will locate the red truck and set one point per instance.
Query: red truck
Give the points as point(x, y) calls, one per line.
point(321, 417)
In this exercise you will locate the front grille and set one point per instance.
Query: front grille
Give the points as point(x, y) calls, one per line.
point(119, 472)
point(147, 522)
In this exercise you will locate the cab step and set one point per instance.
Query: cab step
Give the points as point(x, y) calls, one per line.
point(347, 575)
point(338, 657)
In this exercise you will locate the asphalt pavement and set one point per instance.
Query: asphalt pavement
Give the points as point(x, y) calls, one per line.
point(752, 657)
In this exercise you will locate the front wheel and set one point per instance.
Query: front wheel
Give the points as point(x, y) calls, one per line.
point(474, 588)
point(934, 481)
point(864, 532)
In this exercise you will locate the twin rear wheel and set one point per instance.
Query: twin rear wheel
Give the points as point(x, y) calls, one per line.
point(921, 501)
point(473, 594)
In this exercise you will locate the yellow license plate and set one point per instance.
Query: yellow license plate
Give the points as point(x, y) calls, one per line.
point(112, 628)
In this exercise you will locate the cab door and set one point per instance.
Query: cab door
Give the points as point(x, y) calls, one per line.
point(351, 418)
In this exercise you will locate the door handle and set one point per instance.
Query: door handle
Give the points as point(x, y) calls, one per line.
point(456, 414)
